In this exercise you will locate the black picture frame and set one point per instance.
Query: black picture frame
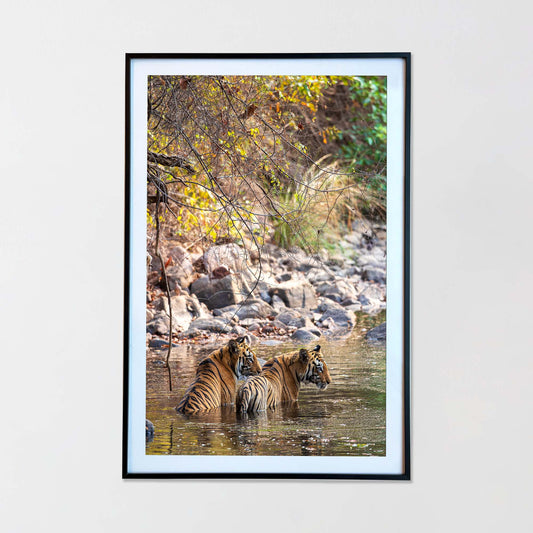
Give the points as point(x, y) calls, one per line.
point(129, 473)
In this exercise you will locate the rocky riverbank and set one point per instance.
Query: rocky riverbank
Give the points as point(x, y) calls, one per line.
point(268, 293)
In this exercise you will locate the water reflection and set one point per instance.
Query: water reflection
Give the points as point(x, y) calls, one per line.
point(348, 418)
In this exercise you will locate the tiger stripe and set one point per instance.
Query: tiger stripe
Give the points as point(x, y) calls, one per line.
point(281, 378)
point(216, 376)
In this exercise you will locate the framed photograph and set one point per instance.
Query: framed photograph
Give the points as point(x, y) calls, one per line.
point(267, 279)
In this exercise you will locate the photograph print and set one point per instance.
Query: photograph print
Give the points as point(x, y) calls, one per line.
point(266, 266)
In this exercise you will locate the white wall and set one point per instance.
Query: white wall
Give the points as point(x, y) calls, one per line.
point(61, 223)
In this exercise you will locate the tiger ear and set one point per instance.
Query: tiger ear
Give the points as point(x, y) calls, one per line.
point(233, 345)
point(246, 340)
point(316, 348)
point(304, 355)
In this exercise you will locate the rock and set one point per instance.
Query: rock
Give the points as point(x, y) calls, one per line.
point(303, 335)
point(180, 271)
point(277, 303)
point(192, 333)
point(296, 293)
point(318, 275)
point(159, 325)
point(184, 309)
point(238, 330)
point(337, 290)
point(265, 296)
point(222, 311)
point(215, 325)
point(160, 343)
point(314, 330)
point(149, 315)
point(349, 301)
point(373, 291)
point(356, 307)
point(150, 429)
point(377, 274)
point(294, 319)
point(179, 276)
point(291, 259)
point(354, 239)
point(255, 309)
point(377, 334)
point(230, 256)
point(329, 323)
point(218, 293)
point(343, 318)
point(353, 272)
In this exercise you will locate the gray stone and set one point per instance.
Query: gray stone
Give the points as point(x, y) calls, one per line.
point(214, 325)
point(373, 290)
point(265, 296)
point(356, 307)
point(149, 429)
point(329, 323)
point(319, 275)
point(337, 290)
point(238, 330)
point(377, 274)
point(354, 239)
point(377, 334)
point(277, 303)
point(230, 256)
point(160, 343)
point(184, 309)
point(343, 318)
point(296, 293)
point(225, 310)
point(255, 309)
point(292, 318)
point(218, 293)
point(158, 326)
point(303, 335)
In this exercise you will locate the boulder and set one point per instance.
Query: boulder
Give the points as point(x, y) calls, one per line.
point(294, 319)
point(304, 335)
point(159, 325)
point(343, 318)
point(180, 270)
point(372, 273)
point(238, 330)
point(277, 303)
point(296, 293)
point(337, 290)
point(150, 429)
point(319, 275)
point(377, 334)
point(184, 309)
point(160, 343)
point(255, 309)
point(228, 256)
point(215, 325)
point(216, 293)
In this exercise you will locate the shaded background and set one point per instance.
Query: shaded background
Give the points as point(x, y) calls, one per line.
point(61, 223)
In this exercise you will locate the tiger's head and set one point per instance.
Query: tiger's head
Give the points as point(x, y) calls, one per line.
point(243, 359)
point(311, 367)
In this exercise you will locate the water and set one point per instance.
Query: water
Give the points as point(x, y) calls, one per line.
point(348, 418)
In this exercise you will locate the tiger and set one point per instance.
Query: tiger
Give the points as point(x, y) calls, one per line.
point(280, 380)
point(216, 376)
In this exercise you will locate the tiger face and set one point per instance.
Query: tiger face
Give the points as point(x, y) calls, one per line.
point(243, 359)
point(313, 368)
